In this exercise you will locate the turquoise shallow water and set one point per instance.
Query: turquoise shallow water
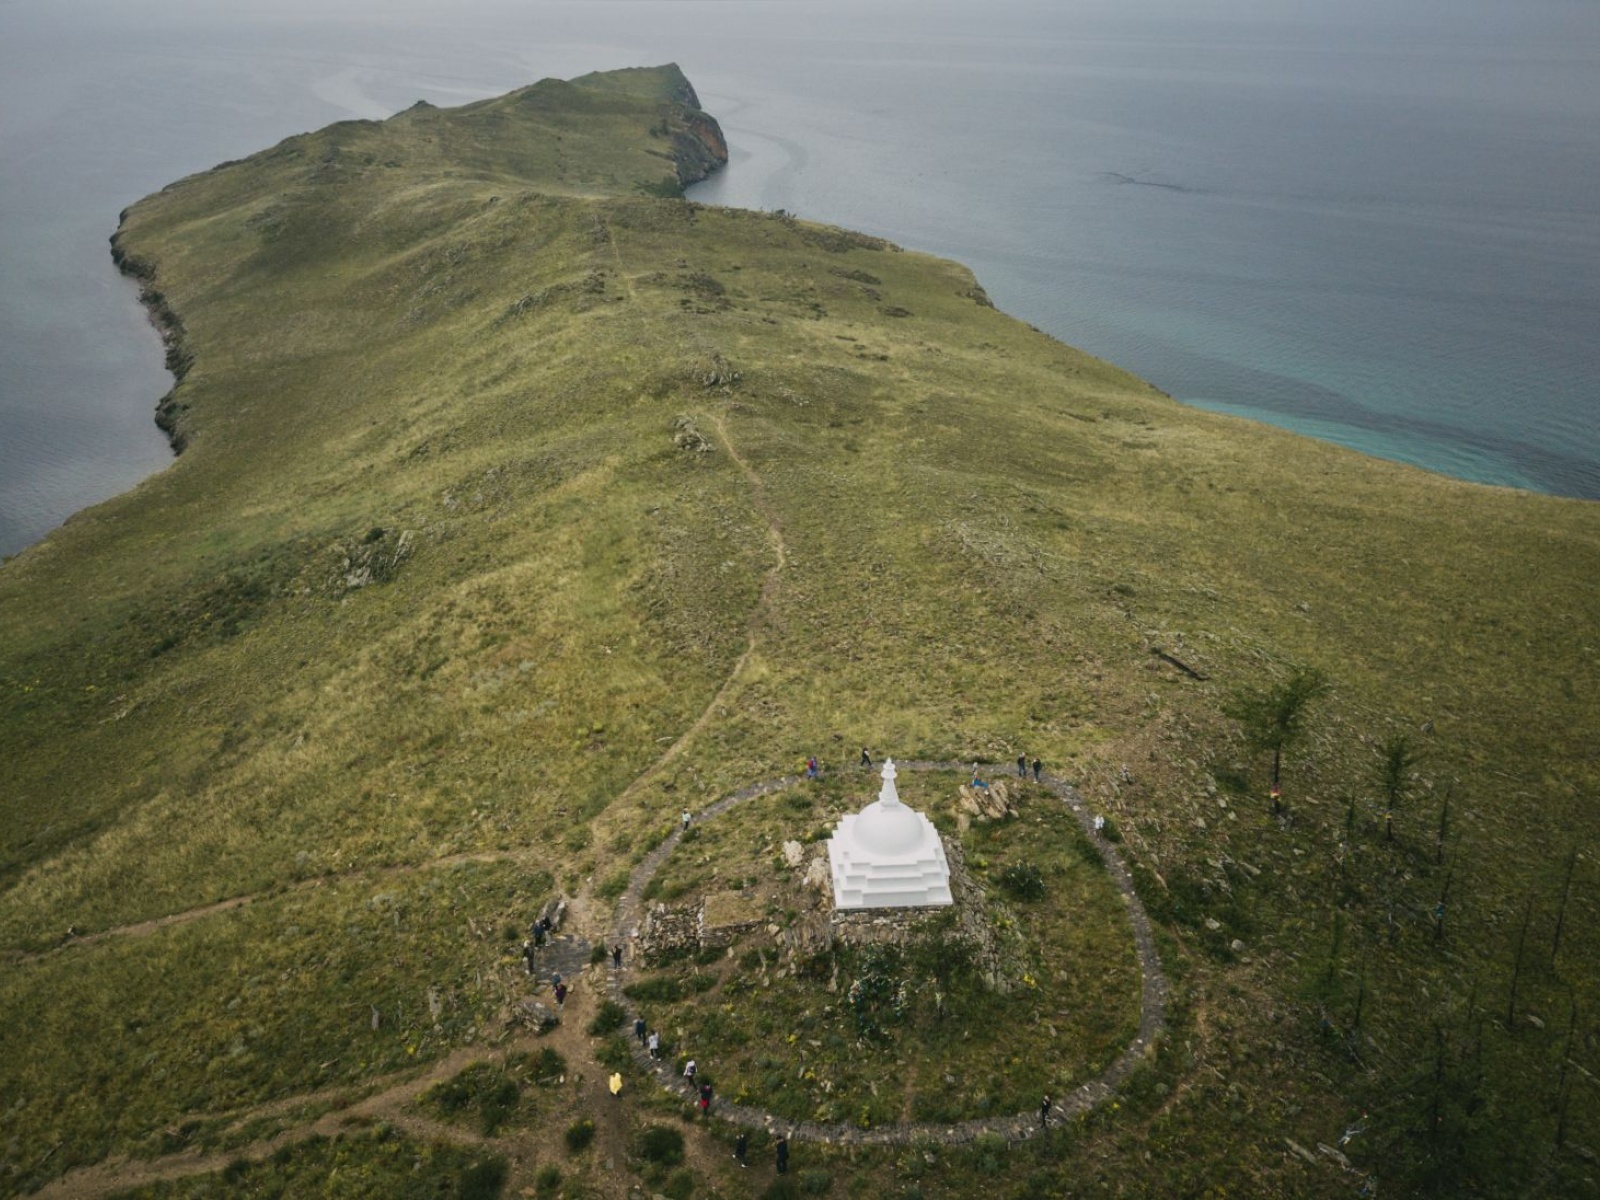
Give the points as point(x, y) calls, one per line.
point(1376, 225)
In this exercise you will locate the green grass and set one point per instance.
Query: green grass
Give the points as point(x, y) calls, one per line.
point(474, 330)
point(276, 999)
point(931, 1039)
point(370, 1165)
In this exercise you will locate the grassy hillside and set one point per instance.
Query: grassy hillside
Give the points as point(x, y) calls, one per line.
point(525, 504)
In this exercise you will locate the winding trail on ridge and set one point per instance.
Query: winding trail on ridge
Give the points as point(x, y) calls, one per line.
point(757, 622)
point(151, 925)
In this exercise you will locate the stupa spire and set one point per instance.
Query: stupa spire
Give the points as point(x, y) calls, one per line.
point(889, 795)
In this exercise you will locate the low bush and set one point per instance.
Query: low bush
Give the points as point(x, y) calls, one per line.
point(579, 1134)
point(663, 989)
point(607, 1018)
point(1022, 881)
point(483, 1180)
point(815, 1182)
point(660, 1144)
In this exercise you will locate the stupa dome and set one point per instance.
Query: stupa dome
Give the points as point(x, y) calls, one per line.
point(888, 832)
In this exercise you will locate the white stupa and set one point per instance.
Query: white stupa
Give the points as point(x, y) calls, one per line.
point(888, 856)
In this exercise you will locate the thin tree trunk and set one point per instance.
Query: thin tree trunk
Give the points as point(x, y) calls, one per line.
point(1516, 969)
point(1561, 913)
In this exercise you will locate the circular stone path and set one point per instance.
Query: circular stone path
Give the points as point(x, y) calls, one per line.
point(1152, 1000)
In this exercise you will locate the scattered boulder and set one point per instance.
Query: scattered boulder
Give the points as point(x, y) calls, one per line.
point(554, 911)
point(686, 435)
point(716, 372)
point(819, 876)
point(987, 803)
point(532, 1014)
point(375, 559)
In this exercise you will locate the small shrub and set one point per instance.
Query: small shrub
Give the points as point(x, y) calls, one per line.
point(548, 1066)
point(615, 1053)
point(496, 1107)
point(1022, 881)
point(660, 1144)
point(608, 1017)
point(663, 989)
point(579, 1134)
point(815, 1182)
point(782, 1188)
point(483, 1180)
point(989, 1154)
point(1087, 850)
point(610, 889)
point(548, 1181)
point(679, 1185)
point(597, 955)
point(480, 1086)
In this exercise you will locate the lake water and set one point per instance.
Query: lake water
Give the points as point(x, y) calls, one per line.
point(1378, 225)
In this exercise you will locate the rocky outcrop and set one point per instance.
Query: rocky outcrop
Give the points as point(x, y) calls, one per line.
point(669, 932)
point(169, 409)
point(698, 147)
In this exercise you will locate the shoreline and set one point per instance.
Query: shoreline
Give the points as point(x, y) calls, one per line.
point(169, 327)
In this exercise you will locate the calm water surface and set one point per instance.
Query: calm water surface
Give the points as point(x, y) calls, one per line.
point(1378, 226)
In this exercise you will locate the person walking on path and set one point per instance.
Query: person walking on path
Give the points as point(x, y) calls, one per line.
point(639, 1029)
point(811, 767)
point(783, 1155)
point(866, 759)
point(561, 996)
point(705, 1099)
point(616, 956)
point(1022, 766)
point(1037, 767)
point(688, 1072)
point(741, 1147)
point(654, 1044)
point(529, 955)
point(686, 818)
point(1044, 1114)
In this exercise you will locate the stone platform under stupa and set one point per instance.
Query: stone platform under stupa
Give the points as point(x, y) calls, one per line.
point(888, 856)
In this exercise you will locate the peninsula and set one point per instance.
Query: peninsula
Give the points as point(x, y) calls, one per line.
point(530, 517)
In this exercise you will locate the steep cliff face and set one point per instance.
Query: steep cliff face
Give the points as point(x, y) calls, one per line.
point(698, 147)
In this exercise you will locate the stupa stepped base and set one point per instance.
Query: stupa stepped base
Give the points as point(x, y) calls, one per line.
point(880, 885)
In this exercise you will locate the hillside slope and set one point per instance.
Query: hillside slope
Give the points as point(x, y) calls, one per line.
point(524, 504)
